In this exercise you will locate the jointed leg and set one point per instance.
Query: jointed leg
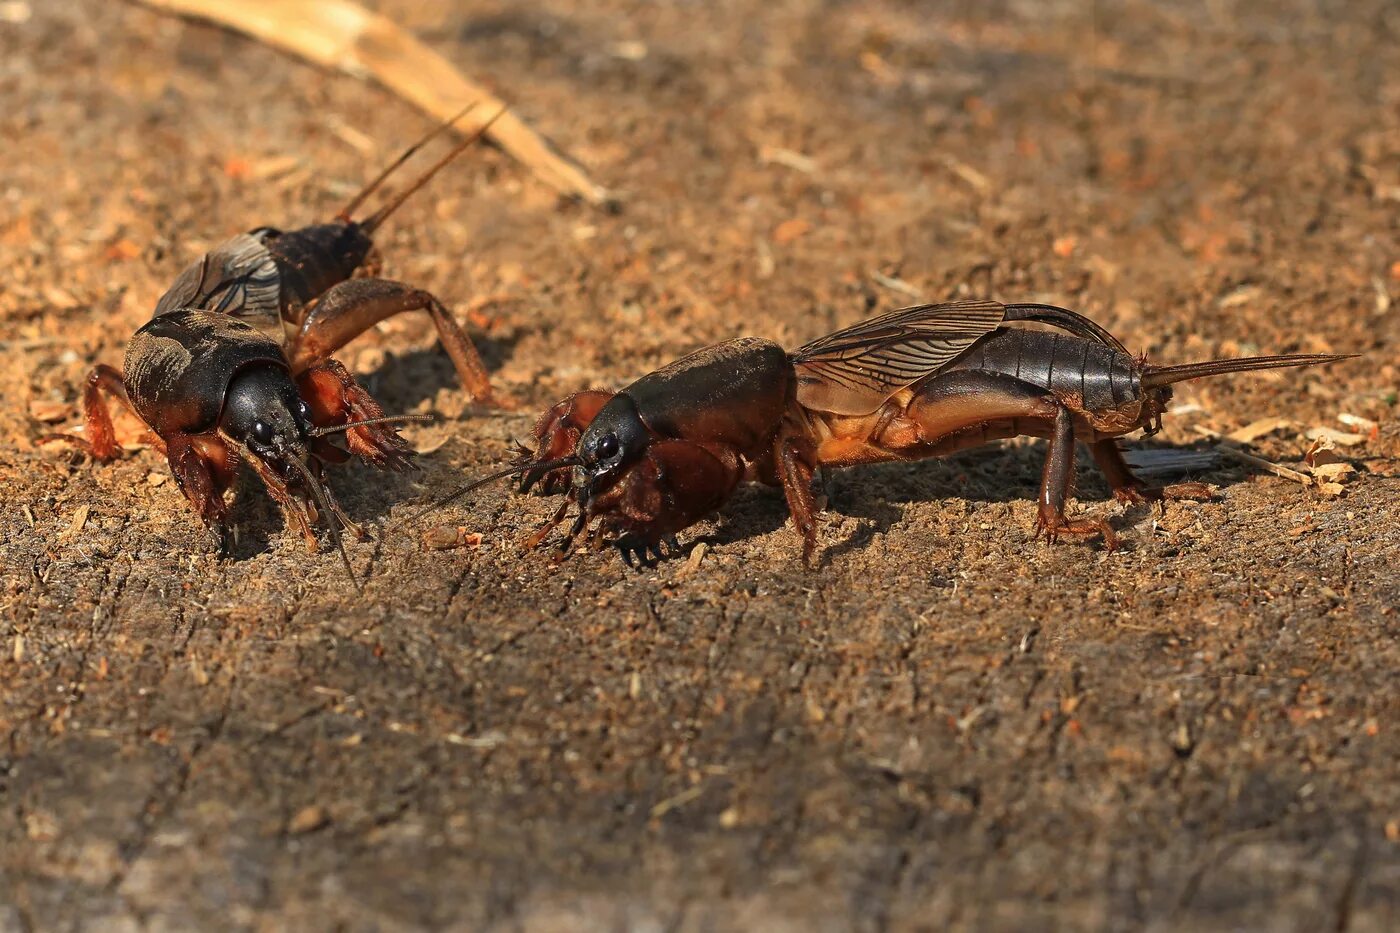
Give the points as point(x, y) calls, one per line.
point(336, 398)
point(103, 382)
point(948, 405)
point(203, 481)
point(796, 458)
point(353, 307)
point(1055, 480)
point(1128, 488)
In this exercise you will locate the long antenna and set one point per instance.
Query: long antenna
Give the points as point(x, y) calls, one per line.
point(371, 222)
point(373, 186)
point(387, 419)
point(332, 519)
point(490, 478)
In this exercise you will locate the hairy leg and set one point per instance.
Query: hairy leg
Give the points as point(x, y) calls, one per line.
point(104, 383)
point(336, 398)
point(556, 434)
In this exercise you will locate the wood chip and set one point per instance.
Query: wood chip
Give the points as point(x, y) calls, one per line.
point(446, 537)
point(790, 230)
point(773, 155)
point(974, 179)
point(1356, 421)
point(1337, 437)
point(697, 554)
point(308, 819)
point(1322, 451)
point(1257, 429)
point(344, 35)
point(1234, 453)
point(80, 517)
point(1333, 471)
point(47, 412)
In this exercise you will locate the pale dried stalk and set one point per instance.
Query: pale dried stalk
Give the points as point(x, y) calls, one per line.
point(344, 35)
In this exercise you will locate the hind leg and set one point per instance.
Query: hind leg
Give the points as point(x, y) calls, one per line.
point(1131, 490)
point(352, 307)
point(953, 411)
point(104, 383)
point(1056, 478)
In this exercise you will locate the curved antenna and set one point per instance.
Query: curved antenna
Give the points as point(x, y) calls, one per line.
point(572, 460)
point(372, 222)
point(387, 419)
point(345, 212)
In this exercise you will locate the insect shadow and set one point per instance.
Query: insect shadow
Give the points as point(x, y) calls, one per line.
point(408, 378)
point(1002, 473)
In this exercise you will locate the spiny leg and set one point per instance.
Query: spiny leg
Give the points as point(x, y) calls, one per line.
point(336, 398)
point(352, 307)
point(1056, 478)
point(296, 511)
point(796, 459)
point(1128, 488)
point(103, 383)
point(556, 435)
point(203, 481)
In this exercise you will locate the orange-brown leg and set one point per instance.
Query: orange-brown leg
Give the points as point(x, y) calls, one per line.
point(204, 469)
point(1129, 489)
point(948, 405)
point(103, 383)
point(676, 484)
point(1056, 478)
point(335, 398)
point(796, 458)
point(352, 307)
point(556, 435)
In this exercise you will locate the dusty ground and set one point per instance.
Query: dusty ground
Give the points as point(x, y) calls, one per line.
point(946, 724)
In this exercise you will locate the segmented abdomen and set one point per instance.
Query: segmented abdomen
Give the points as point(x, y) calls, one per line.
point(315, 258)
point(1064, 364)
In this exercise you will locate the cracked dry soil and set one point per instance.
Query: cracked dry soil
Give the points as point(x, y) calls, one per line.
point(944, 725)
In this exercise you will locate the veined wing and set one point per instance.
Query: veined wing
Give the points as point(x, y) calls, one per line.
point(239, 277)
point(854, 371)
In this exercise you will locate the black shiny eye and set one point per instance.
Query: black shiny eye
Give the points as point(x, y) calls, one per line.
point(303, 410)
point(607, 446)
point(262, 432)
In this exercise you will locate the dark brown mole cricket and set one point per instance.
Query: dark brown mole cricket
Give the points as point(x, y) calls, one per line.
point(646, 462)
point(235, 364)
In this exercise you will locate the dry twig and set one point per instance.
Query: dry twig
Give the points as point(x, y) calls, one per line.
point(344, 35)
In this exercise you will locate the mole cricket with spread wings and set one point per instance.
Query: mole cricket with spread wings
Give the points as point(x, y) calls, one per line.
point(646, 462)
point(235, 364)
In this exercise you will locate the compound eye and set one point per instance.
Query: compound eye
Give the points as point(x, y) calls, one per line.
point(303, 410)
point(262, 432)
point(607, 446)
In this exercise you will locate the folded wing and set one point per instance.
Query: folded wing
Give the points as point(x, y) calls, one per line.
point(854, 371)
point(238, 277)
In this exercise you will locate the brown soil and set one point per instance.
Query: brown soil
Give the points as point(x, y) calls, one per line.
point(946, 724)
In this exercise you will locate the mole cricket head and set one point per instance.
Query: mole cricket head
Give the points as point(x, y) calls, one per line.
point(615, 439)
point(265, 415)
